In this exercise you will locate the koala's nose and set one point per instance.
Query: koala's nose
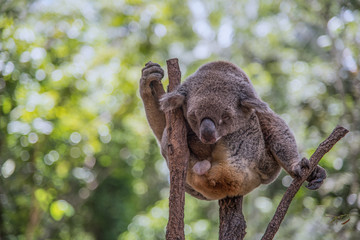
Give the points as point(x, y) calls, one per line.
point(208, 132)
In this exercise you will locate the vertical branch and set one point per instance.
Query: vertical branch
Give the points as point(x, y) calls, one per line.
point(232, 221)
point(338, 133)
point(178, 155)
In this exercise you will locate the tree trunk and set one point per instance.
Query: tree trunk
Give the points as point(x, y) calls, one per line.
point(178, 155)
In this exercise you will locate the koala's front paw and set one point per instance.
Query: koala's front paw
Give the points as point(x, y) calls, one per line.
point(316, 178)
point(151, 72)
point(299, 168)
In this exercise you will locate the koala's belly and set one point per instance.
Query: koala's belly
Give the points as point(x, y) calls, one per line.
point(227, 176)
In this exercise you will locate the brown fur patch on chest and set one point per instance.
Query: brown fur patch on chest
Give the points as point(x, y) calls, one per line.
point(224, 178)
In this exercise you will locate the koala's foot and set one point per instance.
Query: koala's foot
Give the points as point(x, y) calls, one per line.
point(200, 168)
point(315, 179)
point(150, 73)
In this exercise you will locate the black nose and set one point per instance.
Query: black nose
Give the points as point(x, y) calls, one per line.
point(207, 131)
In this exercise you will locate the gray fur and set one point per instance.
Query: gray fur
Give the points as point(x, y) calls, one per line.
point(245, 142)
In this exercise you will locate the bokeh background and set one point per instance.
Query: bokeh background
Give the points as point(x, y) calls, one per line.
point(77, 158)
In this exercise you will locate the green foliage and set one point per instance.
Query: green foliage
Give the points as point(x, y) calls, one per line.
point(77, 158)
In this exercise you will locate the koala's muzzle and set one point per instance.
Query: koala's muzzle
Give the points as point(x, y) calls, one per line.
point(208, 133)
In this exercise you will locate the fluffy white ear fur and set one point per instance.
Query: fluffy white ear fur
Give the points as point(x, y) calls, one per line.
point(172, 100)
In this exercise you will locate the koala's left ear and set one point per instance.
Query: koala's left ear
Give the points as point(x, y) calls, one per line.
point(255, 103)
point(172, 100)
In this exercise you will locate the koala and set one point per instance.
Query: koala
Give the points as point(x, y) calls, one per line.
point(236, 141)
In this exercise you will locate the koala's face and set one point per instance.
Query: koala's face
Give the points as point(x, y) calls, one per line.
point(212, 116)
point(217, 100)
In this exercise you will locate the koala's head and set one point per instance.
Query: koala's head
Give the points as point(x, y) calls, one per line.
point(216, 100)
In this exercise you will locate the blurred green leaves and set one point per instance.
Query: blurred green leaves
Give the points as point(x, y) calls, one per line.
point(61, 208)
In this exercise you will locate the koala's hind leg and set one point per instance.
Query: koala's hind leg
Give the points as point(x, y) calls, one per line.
point(151, 89)
point(281, 142)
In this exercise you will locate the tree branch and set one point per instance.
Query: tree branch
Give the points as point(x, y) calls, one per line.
point(338, 133)
point(178, 155)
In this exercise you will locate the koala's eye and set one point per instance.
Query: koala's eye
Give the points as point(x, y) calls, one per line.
point(225, 118)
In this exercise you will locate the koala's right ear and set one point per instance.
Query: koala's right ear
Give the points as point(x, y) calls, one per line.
point(256, 104)
point(172, 100)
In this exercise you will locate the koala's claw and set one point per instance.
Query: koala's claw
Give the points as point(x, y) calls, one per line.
point(148, 63)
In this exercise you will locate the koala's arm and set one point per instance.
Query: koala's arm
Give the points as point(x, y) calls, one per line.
point(281, 143)
point(280, 140)
point(151, 89)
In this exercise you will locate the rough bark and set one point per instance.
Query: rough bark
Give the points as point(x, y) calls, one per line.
point(338, 133)
point(178, 155)
point(232, 221)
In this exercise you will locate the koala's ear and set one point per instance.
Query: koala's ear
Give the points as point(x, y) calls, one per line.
point(172, 100)
point(255, 103)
